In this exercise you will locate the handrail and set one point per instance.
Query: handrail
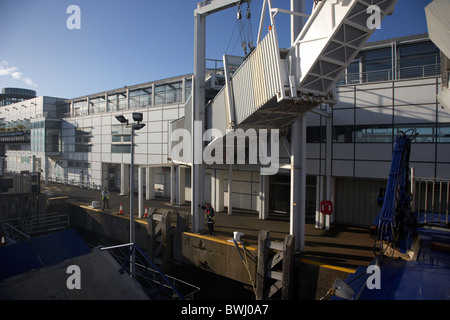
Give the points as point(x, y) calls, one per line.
point(164, 284)
point(423, 71)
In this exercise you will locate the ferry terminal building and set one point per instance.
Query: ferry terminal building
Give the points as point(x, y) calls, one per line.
point(390, 87)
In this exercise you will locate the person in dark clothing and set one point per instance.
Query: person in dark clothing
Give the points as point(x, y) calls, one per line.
point(209, 215)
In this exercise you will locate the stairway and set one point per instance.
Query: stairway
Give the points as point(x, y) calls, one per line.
point(271, 88)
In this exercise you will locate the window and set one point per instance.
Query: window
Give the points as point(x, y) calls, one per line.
point(354, 72)
point(188, 87)
point(83, 140)
point(343, 134)
point(168, 93)
point(425, 134)
point(122, 101)
point(377, 134)
point(316, 134)
point(120, 148)
point(377, 65)
point(418, 60)
point(140, 98)
point(120, 139)
point(80, 108)
point(443, 133)
point(112, 102)
point(98, 105)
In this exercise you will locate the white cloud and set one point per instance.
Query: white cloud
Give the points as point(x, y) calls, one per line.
point(6, 70)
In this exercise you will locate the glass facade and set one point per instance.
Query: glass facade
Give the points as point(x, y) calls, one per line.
point(394, 61)
point(387, 133)
point(153, 95)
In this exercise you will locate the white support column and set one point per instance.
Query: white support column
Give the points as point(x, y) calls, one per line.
point(150, 185)
point(298, 182)
point(219, 198)
point(140, 191)
point(333, 197)
point(124, 173)
point(263, 198)
point(197, 170)
point(328, 165)
point(319, 221)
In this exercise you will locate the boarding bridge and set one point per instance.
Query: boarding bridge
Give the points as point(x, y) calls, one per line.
point(272, 88)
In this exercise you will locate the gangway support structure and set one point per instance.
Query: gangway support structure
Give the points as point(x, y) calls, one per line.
point(275, 88)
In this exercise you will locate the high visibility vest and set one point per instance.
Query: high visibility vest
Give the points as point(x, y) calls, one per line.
point(105, 194)
point(209, 214)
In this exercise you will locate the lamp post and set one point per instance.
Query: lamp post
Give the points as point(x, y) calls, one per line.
point(137, 117)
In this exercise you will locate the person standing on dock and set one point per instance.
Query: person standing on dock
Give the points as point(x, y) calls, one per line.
point(209, 215)
point(105, 198)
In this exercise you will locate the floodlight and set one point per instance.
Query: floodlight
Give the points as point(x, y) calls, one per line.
point(138, 126)
point(121, 119)
point(137, 116)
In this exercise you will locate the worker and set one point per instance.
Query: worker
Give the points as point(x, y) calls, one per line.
point(105, 198)
point(209, 215)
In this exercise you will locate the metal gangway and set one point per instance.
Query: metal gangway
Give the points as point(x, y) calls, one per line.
point(273, 87)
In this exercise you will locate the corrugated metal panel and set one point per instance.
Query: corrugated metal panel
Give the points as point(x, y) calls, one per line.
point(356, 201)
point(217, 112)
point(255, 82)
point(258, 79)
point(244, 100)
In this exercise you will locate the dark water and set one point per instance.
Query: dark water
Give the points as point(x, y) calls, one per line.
point(212, 286)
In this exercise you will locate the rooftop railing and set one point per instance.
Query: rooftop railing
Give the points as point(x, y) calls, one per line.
point(431, 70)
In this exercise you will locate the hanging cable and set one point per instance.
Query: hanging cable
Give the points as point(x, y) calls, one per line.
point(246, 265)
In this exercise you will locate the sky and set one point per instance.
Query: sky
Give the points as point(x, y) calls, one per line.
point(127, 42)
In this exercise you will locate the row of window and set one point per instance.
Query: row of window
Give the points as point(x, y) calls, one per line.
point(415, 60)
point(379, 133)
point(168, 93)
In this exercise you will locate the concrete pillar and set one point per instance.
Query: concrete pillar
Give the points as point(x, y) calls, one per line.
point(140, 192)
point(123, 178)
point(217, 196)
point(198, 104)
point(298, 182)
point(319, 221)
point(328, 166)
point(263, 198)
point(150, 185)
point(333, 197)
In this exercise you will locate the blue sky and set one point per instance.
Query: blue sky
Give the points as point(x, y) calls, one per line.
point(127, 42)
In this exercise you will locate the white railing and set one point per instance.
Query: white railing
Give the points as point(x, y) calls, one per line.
point(431, 70)
point(431, 200)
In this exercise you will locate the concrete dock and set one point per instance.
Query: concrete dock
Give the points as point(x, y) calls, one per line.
point(327, 255)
